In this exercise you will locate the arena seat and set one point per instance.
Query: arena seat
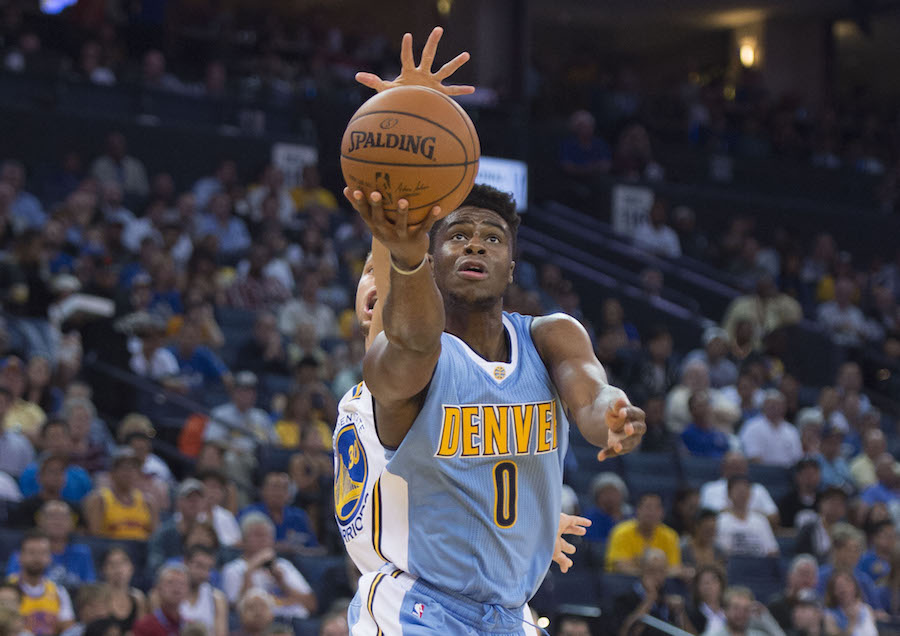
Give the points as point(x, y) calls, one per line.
point(762, 575)
point(306, 626)
point(699, 470)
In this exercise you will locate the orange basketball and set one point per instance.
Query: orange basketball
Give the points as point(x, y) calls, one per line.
point(413, 143)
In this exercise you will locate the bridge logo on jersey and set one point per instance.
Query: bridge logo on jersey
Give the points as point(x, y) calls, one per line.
point(352, 473)
point(498, 430)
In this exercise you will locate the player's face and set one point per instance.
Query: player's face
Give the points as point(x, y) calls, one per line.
point(473, 256)
point(366, 295)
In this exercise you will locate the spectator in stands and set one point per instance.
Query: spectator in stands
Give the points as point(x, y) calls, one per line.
point(27, 212)
point(137, 433)
point(197, 365)
point(741, 531)
point(305, 344)
point(22, 416)
point(292, 526)
point(226, 526)
point(256, 290)
point(256, 610)
point(203, 603)
point(835, 471)
point(843, 319)
point(714, 494)
point(71, 563)
point(91, 67)
point(121, 511)
point(807, 617)
point(656, 236)
point(658, 438)
point(648, 598)
point(685, 506)
point(231, 233)
point(694, 242)
point(260, 567)
point(633, 158)
point(847, 545)
point(265, 351)
point(10, 597)
point(154, 75)
point(40, 389)
point(51, 479)
point(889, 595)
point(167, 541)
point(847, 610)
point(609, 494)
point(802, 576)
point(745, 617)
point(722, 371)
point(222, 181)
point(308, 309)
point(311, 193)
point(657, 372)
point(584, 154)
point(885, 491)
point(766, 310)
point(700, 549)
point(876, 561)
point(172, 587)
point(862, 468)
point(16, 452)
point(272, 185)
point(126, 604)
point(768, 438)
point(45, 606)
point(88, 453)
point(814, 537)
point(625, 334)
point(628, 540)
point(707, 590)
point(55, 441)
point(119, 167)
point(700, 438)
point(799, 506)
point(694, 377)
point(91, 604)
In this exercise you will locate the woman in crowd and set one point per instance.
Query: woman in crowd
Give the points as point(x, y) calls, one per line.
point(126, 604)
point(846, 614)
point(699, 549)
point(706, 611)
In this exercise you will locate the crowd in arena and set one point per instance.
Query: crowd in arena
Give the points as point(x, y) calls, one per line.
point(139, 524)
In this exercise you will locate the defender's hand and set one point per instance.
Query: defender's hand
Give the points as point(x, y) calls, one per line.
point(408, 244)
point(421, 75)
point(626, 427)
point(568, 524)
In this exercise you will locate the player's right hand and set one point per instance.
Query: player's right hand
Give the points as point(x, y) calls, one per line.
point(408, 244)
point(421, 75)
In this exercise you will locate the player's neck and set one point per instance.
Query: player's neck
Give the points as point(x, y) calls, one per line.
point(482, 330)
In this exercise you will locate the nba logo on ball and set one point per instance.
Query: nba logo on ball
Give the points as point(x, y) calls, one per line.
point(413, 143)
point(419, 609)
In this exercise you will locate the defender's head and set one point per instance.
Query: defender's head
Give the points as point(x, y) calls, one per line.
point(366, 296)
point(474, 246)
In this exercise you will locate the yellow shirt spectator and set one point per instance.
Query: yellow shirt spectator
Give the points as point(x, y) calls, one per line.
point(626, 543)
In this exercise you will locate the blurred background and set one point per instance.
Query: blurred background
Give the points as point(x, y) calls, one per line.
point(711, 187)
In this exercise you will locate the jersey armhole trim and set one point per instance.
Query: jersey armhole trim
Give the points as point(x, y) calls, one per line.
point(375, 422)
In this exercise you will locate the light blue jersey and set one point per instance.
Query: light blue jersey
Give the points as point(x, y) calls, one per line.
point(470, 501)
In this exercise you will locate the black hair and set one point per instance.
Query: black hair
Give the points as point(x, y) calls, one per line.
point(486, 197)
point(198, 549)
point(706, 513)
point(35, 534)
point(644, 495)
point(658, 331)
point(874, 528)
point(212, 473)
point(53, 421)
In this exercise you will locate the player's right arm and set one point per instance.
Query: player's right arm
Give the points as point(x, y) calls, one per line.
point(400, 362)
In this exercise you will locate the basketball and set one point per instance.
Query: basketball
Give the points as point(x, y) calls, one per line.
point(411, 143)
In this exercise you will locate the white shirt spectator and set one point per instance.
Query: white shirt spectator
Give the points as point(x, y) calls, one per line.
point(714, 496)
point(129, 173)
point(660, 240)
point(298, 311)
point(9, 489)
point(247, 429)
point(731, 394)
point(226, 526)
point(745, 537)
point(233, 577)
point(777, 445)
point(162, 364)
point(156, 467)
point(847, 326)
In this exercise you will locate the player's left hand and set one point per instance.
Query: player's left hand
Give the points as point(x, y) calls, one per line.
point(625, 426)
point(568, 524)
point(421, 75)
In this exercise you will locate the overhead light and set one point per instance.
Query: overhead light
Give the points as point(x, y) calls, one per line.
point(747, 52)
point(444, 7)
point(543, 622)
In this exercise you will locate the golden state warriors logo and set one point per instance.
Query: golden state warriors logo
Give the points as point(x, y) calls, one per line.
point(353, 470)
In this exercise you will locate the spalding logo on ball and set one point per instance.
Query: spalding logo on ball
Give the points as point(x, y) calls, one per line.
point(413, 143)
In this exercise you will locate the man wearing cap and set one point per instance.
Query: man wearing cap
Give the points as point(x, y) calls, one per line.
point(137, 432)
point(16, 452)
point(121, 510)
point(168, 540)
point(722, 371)
point(241, 425)
point(56, 441)
point(835, 471)
point(768, 438)
point(799, 506)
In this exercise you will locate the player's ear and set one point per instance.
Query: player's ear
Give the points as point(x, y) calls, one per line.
point(512, 268)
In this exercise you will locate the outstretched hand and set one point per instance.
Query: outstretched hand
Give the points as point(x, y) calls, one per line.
point(568, 524)
point(626, 427)
point(421, 75)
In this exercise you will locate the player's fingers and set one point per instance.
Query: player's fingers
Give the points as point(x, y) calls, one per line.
point(452, 66)
point(629, 429)
point(638, 428)
point(430, 48)
point(371, 80)
point(402, 218)
point(564, 563)
point(429, 221)
point(358, 200)
point(578, 531)
point(375, 202)
point(567, 547)
point(406, 52)
point(459, 89)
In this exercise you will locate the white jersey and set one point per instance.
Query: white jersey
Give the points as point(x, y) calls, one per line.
point(359, 460)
